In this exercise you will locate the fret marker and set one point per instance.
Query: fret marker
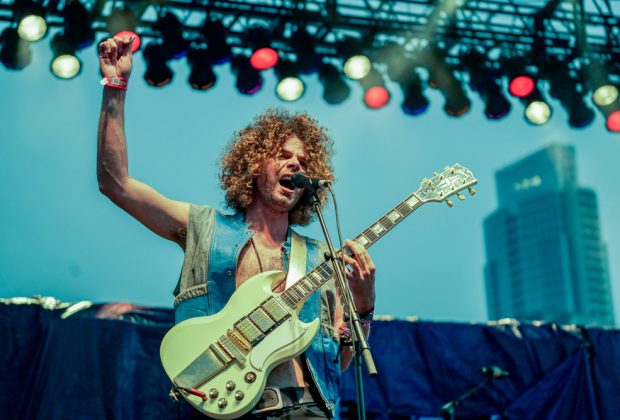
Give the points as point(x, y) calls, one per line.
point(362, 240)
point(412, 201)
point(377, 228)
point(393, 216)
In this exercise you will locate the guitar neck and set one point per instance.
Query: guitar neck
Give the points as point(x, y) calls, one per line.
point(324, 271)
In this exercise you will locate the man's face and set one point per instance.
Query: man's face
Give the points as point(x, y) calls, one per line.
point(273, 186)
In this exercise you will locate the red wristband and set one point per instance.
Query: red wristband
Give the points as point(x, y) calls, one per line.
point(115, 82)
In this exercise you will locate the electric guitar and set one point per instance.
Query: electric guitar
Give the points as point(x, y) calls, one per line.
point(220, 363)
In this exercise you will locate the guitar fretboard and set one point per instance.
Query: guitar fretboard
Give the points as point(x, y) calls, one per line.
point(323, 272)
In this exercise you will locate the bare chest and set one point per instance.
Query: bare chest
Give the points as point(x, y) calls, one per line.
point(256, 258)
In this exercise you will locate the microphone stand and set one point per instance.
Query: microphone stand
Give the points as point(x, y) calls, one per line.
point(361, 348)
point(448, 410)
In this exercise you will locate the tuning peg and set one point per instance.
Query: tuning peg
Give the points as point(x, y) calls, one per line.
point(449, 203)
point(472, 191)
point(435, 174)
point(461, 197)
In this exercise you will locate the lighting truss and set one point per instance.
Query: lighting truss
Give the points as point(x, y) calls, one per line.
point(560, 27)
point(577, 33)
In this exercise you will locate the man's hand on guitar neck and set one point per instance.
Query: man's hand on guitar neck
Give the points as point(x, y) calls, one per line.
point(361, 276)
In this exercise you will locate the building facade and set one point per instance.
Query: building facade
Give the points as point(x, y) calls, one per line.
point(545, 258)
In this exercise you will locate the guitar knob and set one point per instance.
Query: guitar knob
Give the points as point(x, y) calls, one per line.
point(239, 395)
point(230, 385)
point(222, 402)
point(213, 393)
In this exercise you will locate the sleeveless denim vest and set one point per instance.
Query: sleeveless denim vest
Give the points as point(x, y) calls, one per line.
point(207, 282)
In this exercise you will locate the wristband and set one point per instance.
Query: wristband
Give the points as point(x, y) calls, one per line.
point(115, 82)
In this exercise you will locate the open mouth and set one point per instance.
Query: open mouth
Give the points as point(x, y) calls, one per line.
point(287, 183)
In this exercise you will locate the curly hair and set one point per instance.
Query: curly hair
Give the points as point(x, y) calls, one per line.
point(264, 138)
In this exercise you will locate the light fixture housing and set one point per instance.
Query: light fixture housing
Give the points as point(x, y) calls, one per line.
point(15, 53)
point(158, 73)
point(249, 80)
point(376, 95)
point(65, 63)
point(290, 87)
point(263, 55)
point(201, 76)
point(335, 89)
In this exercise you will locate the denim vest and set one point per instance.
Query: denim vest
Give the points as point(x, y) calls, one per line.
point(205, 290)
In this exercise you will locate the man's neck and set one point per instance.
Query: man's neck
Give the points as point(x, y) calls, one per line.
point(270, 224)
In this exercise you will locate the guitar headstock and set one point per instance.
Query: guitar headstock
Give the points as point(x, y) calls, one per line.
point(452, 180)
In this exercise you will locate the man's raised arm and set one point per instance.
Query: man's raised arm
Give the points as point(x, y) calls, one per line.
point(167, 218)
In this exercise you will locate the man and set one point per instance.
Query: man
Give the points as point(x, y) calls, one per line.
point(223, 251)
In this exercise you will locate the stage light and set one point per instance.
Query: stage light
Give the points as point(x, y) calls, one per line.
point(290, 87)
point(603, 91)
point(521, 81)
point(249, 80)
point(65, 64)
point(171, 29)
point(376, 96)
point(32, 28)
point(30, 18)
point(215, 34)
point(484, 80)
point(442, 77)
point(521, 86)
point(414, 103)
point(15, 53)
point(335, 89)
point(308, 61)
point(605, 95)
point(357, 67)
point(356, 64)
point(537, 110)
point(263, 56)
point(613, 121)
point(579, 114)
point(78, 25)
point(567, 87)
point(201, 76)
point(157, 72)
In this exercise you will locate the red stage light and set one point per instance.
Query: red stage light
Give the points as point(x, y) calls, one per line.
point(613, 122)
point(136, 42)
point(521, 86)
point(376, 97)
point(264, 58)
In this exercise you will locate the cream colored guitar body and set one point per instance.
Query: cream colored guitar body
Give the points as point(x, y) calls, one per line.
point(236, 372)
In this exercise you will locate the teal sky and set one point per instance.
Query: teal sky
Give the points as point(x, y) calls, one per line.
point(59, 236)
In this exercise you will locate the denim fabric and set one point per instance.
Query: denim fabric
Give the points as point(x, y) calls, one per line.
point(208, 282)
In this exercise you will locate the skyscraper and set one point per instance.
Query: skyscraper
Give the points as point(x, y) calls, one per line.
point(545, 258)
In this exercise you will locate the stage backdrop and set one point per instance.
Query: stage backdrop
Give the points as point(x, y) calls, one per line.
point(61, 361)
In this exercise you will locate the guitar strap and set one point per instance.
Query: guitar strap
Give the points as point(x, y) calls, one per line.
point(297, 262)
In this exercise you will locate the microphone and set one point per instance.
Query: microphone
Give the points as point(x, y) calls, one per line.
point(494, 372)
point(300, 180)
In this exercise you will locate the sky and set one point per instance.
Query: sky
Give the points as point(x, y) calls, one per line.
point(59, 236)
